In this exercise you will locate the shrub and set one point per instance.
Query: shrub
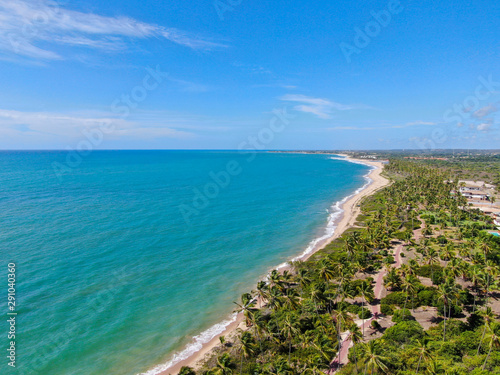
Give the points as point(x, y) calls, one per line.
point(394, 298)
point(386, 309)
point(427, 297)
point(442, 240)
point(474, 321)
point(467, 343)
point(432, 271)
point(466, 297)
point(185, 370)
point(354, 309)
point(375, 325)
point(449, 349)
point(428, 269)
point(402, 315)
point(453, 327)
point(364, 313)
point(437, 279)
point(416, 225)
point(455, 310)
point(403, 332)
point(343, 305)
point(400, 235)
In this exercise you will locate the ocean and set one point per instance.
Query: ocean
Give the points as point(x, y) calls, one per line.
point(126, 258)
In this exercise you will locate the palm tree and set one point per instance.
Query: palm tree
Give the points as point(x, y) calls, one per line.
point(316, 294)
point(374, 358)
point(485, 247)
point(275, 280)
point(447, 253)
point(303, 279)
point(342, 317)
point(431, 256)
point(325, 350)
point(407, 236)
point(476, 276)
point(185, 370)
point(247, 347)
point(454, 268)
point(392, 280)
point(443, 295)
point(356, 336)
point(494, 341)
point(427, 231)
point(224, 365)
point(491, 271)
point(247, 307)
point(288, 330)
point(489, 316)
point(434, 367)
point(290, 300)
point(274, 299)
point(408, 285)
point(423, 351)
point(325, 270)
point(365, 290)
point(262, 292)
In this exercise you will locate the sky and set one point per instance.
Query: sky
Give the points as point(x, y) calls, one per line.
point(242, 74)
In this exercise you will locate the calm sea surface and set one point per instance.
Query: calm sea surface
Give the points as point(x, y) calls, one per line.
point(126, 257)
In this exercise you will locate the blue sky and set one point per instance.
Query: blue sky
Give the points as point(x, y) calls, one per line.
point(213, 74)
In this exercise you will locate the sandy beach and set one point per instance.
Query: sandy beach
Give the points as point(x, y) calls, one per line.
point(347, 219)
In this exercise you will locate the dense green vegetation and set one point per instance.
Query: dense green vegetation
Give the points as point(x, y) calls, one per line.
point(298, 318)
point(476, 165)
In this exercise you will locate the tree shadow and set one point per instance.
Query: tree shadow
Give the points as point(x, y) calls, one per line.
point(436, 319)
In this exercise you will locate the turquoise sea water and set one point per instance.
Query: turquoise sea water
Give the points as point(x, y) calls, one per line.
point(112, 279)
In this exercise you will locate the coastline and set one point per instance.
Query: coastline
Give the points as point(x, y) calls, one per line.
point(347, 211)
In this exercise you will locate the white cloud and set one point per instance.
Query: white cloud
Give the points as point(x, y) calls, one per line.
point(407, 125)
point(485, 111)
point(322, 108)
point(417, 123)
point(189, 86)
point(484, 127)
point(26, 25)
point(69, 127)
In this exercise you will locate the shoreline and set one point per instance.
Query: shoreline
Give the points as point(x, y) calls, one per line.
point(339, 221)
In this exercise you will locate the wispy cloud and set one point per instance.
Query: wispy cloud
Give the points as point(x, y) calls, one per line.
point(189, 86)
point(485, 111)
point(485, 126)
point(407, 125)
point(252, 68)
point(27, 25)
point(64, 126)
point(274, 85)
point(321, 108)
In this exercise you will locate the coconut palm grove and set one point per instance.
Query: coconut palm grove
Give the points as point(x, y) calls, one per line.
point(411, 288)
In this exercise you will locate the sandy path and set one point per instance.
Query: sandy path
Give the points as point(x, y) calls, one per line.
point(346, 342)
